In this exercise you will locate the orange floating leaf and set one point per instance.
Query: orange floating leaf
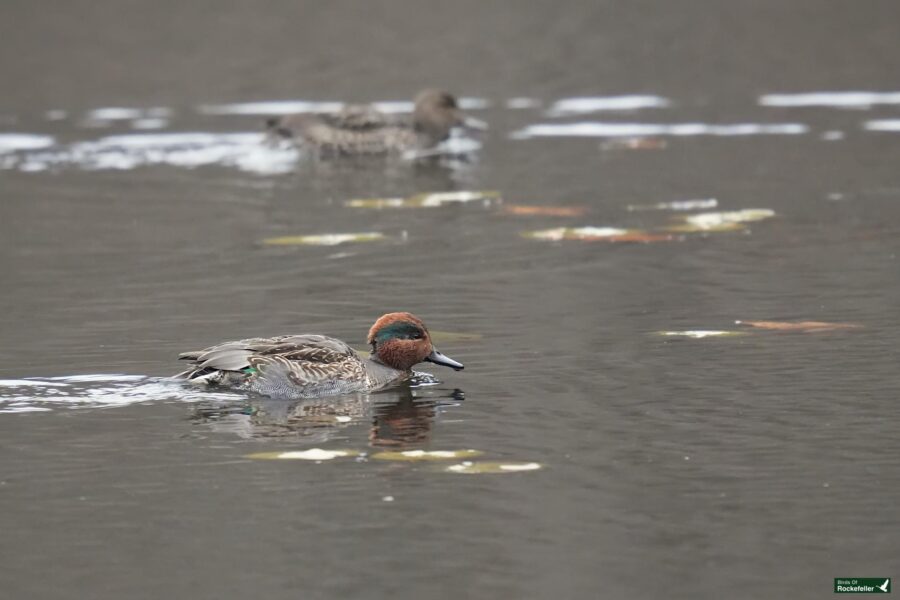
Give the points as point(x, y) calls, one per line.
point(640, 237)
point(525, 210)
point(635, 143)
point(688, 228)
point(800, 326)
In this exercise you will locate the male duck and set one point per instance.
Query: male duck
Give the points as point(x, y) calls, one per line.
point(362, 129)
point(302, 366)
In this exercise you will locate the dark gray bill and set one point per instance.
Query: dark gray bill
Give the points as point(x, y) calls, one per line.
point(439, 359)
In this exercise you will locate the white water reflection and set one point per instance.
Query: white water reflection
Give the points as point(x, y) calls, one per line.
point(149, 123)
point(244, 151)
point(610, 129)
point(141, 118)
point(831, 99)
point(882, 125)
point(106, 390)
point(522, 103)
point(285, 107)
point(589, 104)
point(117, 113)
point(15, 142)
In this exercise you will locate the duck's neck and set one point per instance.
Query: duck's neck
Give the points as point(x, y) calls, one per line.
point(380, 374)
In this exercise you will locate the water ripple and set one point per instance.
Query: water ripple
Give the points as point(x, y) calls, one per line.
point(97, 391)
point(589, 104)
point(831, 99)
point(244, 151)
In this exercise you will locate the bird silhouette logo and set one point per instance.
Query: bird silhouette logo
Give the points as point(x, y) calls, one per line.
point(886, 586)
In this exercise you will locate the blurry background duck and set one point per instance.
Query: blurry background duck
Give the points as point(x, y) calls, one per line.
point(358, 130)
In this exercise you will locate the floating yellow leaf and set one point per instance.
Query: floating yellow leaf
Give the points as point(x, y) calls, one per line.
point(640, 237)
point(701, 333)
point(428, 200)
point(315, 454)
point(377, 203)
point(478, 467)
point(801, 326)
point(722, 221)
point(524, 210)
point(688, 228)
point(324, 239)
point(597, 234)
point(416, 455)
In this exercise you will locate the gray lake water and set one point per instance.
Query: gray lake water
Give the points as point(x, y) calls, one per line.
point(136, 197)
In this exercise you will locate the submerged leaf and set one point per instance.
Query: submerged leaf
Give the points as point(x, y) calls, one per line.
point(477, 467)
point(634, 143)
point(524, 210)
point(452, 336)
point(324, 239)
point(801, 326)
point(416, 455)
point(640, 237)
point(689, 228)
point(428, 200)
point(377, 203)
point(597, 234)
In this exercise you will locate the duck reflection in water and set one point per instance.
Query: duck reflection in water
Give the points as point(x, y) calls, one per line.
point(399, 418)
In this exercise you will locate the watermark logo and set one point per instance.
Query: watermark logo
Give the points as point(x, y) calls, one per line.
point(862, 585)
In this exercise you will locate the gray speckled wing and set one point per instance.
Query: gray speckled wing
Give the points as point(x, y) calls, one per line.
point(353, 130)
point(307, 366)
point(380, 140)
point(363, 117)
point(292, 365)
point(230, 356)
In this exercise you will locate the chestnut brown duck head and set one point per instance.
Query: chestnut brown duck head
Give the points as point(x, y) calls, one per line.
point(401, 340)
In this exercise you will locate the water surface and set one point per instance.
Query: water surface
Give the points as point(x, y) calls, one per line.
point(137, 198)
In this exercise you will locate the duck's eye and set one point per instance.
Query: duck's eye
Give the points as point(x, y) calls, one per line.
point(416, 336)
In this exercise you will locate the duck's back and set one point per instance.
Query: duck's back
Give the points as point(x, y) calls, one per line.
point(355, 129)
point(289, 365)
